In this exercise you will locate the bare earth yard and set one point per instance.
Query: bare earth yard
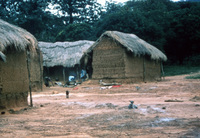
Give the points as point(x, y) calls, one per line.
point(169, 108)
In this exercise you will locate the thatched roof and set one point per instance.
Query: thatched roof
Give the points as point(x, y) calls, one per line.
point(133, 44)
point(15, 38)
point(66, 54)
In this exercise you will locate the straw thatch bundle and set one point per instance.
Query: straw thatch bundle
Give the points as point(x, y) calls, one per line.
point(133, 44)
point(66, 54)
point(16, 38)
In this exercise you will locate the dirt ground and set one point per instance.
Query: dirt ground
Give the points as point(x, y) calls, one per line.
point(169, 108)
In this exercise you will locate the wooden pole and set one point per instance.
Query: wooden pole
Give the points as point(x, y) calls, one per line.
point(41, 70)
point(48, 71)
point(64, 75)
point(162, 70)
point(77, 72)
point(29, 76)
point(144, 70)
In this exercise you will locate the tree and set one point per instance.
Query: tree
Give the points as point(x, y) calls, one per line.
point(147, 19)
point(75, 32)
point(78, 11)
point(184, 34)
point(32, 16)
point(27, 14)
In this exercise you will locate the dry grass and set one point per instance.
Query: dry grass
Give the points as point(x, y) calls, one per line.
point(16, 38)
point(66, 54)
point(133, 44)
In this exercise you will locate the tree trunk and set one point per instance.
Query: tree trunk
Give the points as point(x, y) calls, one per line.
point(70, 11)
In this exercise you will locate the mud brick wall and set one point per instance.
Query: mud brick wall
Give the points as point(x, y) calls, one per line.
point(108, 60)
point(112, 63)
point(36, 71)
point(134, 67)
point(14, 83)
point(152, 70)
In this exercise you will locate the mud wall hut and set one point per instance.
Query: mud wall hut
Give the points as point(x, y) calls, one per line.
point(62, 59)
point(20, 65)
point(122, 57)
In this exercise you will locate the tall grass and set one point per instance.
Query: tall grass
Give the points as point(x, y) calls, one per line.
point(195, 76)
point(180, 70)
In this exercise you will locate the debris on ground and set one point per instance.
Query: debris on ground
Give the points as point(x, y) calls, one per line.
point(3, 112)
point(59, 83)
point(197, 104)
point(55, 92)
point(137, 88)
point(195, 99)
point(106, 105)
point(108, 84)
point(87, 88)
point(109, 87)
point(71, 84)
point(151, 88)
point(163, 107)
point(75, 88)
point(175, 100)
point(12, 111)
point(104, 88)
point(116, 86)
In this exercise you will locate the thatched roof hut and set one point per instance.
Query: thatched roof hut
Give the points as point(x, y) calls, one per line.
point(20, 65)
point(66, 54)
point(63, 55)
point(118, 55)
point(133, 44)
point(13, 37)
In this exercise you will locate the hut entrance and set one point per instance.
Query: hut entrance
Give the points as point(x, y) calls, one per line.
point(63, 74)
point(88, 64)
point(55, 73)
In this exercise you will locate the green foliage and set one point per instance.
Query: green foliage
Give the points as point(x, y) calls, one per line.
point(31, 16)
point(78, 11)
point(45, 26)
point(180, 70)
point(75, 32)
point(173, 27)
point(196, 76)
point(142, 18)
point(183, 38)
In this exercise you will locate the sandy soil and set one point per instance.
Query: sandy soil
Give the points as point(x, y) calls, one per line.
point(169, 108)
